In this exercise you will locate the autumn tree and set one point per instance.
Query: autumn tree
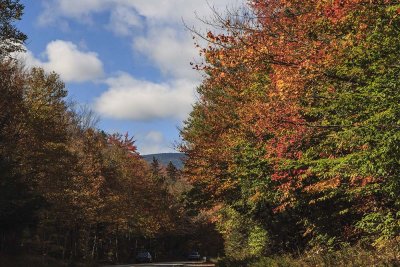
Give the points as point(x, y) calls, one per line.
point(285, 126)
point(11, 39)
point(73, 191)
point(18, 201)
point(67, 189)
point(171, 171)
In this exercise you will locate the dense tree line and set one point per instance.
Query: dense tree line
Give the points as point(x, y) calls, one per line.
point(66, 189)
point(69, 190)
point(73, 192)
point(293, 144)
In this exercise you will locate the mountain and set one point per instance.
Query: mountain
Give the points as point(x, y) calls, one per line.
point(165, 158)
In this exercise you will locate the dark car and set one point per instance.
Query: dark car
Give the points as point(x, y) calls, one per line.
point(194, 256)
point(144, 256)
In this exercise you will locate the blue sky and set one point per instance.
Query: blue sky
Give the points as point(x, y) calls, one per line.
point(128, 60)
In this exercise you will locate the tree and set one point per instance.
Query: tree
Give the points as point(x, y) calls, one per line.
point(172, 172)
point(11, 39)
point(284, 130)
point(19, 203)
point(156, 171)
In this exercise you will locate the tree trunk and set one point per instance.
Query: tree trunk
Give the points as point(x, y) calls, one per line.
point(94, 248)
point(116, 244)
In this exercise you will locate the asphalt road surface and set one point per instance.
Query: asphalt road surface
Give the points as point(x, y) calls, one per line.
point(167, 264)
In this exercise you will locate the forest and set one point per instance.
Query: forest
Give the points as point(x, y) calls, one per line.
point(294, 144)
point(292, 151)
point(68, 190)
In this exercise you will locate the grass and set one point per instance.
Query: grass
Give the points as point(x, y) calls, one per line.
point(387, 256)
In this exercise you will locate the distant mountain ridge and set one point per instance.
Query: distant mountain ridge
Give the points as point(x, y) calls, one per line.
point(165, 158)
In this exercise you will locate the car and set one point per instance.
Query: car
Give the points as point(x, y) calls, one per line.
point(194, 256)
point(144, 256)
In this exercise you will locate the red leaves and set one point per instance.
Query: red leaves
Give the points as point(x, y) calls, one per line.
point(123, 141)
point(263, 76)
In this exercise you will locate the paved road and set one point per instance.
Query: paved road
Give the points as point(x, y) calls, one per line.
point(167, 264)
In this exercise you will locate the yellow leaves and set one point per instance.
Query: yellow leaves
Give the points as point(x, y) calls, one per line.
point(360, 181)
point(309, 230)
point(213, 214)
point(227, 185)
point(256, 197)
point(280, 84)
point(363, 26)
point(323, 185)
point(282, 207)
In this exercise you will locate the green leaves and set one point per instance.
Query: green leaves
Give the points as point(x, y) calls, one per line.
point(244, 239)
point(385, 225)
point(304, 127)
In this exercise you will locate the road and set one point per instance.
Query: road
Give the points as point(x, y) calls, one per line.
point(167, 264)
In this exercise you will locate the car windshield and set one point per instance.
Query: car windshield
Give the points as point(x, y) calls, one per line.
point(194, 253)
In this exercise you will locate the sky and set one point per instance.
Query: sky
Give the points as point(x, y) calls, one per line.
point(127, 60)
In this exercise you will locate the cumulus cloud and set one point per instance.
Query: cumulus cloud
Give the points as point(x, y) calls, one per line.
point(169, 50)
point(123, 20)
point(153, 142)
point(66, 59)
point(167, 44)
point(164, 41)
point(154, 136)
point(162, 11)
point(173, 11)
point(77, 9)
point(161, 38)
point(133, 99)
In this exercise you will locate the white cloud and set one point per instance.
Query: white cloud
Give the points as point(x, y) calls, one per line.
point(156, 31)
point(154, 136)
point(28, 58)
point(164, 42)
point(123, 20)
point(157, 11)
point(132, 99)
point(67, 60)
point(170, 51)
point(167, 44)
point(76, 9)
point(153, 142)
point(173, 11)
